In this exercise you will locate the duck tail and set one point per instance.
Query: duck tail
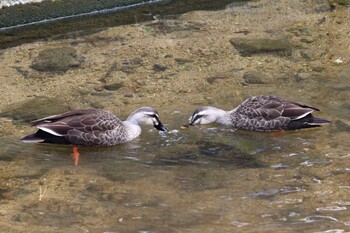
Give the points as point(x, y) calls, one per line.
point(318, 121)
point(31, 138)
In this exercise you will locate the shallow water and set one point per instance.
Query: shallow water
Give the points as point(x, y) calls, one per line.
point(200, 179)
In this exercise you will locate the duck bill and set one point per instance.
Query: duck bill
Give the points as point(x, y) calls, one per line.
point(161, 127)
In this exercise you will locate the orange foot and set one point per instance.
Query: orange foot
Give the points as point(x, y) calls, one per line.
point(278, 133)
point(76, 155)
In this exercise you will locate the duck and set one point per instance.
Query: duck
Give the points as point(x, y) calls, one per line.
point(261, 113)
point(92, 127)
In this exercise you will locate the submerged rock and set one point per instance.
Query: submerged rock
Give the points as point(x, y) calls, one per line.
point(311, 54)
point(57, 60)
point(113, 86)
point(248, 47)
point(342, 2)
point(33, 109)
point(254, 77)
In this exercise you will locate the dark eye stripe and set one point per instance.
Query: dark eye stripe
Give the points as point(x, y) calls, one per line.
point(156, 117)
point(197, 117)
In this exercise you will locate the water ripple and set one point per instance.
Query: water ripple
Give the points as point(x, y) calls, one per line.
point(318, 218)
point(338, 155)
point(331, 208)
point(331, 231)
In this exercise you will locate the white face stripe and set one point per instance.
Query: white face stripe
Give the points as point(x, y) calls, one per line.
point(151, 113)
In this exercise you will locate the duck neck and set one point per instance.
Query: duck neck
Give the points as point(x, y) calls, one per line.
point(223, 119)
point(221, 116)
point(132, 129)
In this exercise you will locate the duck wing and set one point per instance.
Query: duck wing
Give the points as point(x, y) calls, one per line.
point(83, 120)
point(272, 107)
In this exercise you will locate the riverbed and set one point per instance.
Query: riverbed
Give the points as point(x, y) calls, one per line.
point(200, 179)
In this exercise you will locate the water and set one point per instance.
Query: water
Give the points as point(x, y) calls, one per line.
point(200, 179)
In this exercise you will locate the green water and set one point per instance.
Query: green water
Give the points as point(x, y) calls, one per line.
point(200, 179)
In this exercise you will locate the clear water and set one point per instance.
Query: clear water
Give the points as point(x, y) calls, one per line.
point(201, 179)
point(198, 179)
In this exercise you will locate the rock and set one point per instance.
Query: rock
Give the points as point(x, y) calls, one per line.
point(255, 77)
point(307, 39)
point(299, 77)
point(136, 61)
point(318, 69)
point(98, 88)
point(57, 60)
point(215, 78)
point(322, 6)
point(33, 109)
point(128, 95)
point(248, 47)
point(22, 71)
point(342, 2)
point(159, 68)
point(174, 25)
point(113, 86)
point(16, 218)
point(311, 54)
point(182, 61)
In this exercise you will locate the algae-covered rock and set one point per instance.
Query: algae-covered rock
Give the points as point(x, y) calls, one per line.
point(248, 47)
point(56, 60)
point(254, 77)
point(342, 2)
point(33, 109)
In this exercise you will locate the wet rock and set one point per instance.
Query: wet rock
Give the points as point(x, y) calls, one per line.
point(33, 109)
point(174, 25)
point(128, 95)
point(307, 39)
point(300, 30)
point(57, 60)
point(136, 61)
point(311, 54)
point(255, 77)
point(342, 2)
point(159, 68)
point(182, 61)
point(318, 69)
point(248, 47)
point(98, 88)
point(16, 218)
point(215, 78)
point(323, 6)
point(22, 71)
point(299, 77)
point(113, 86)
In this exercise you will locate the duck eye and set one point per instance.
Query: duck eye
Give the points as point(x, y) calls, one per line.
point(196, 117)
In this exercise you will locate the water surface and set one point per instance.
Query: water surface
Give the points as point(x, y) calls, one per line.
point(200, 179)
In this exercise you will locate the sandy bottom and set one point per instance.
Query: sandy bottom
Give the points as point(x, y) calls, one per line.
point(181, 182)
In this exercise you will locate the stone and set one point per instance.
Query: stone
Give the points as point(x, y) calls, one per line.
point(318, 69)
point(182, 61)
point(57, 60)
point(113, 86)
point(128, 95)
point(33, 109)
point(299, 77)
point(159, 68)
point(248, 47)
point(311, 54)
point(342, 2)
point(254, 77)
